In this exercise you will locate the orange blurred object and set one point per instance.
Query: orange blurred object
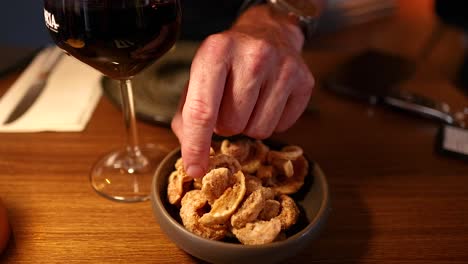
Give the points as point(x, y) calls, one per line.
point(4, 227)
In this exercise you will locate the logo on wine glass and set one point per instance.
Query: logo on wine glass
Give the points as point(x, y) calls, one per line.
point(123, 43)
point(50, 21)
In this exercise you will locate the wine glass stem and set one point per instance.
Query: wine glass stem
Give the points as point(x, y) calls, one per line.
point(128, 107)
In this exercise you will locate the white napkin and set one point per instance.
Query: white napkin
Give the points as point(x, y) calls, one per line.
point(66, 103)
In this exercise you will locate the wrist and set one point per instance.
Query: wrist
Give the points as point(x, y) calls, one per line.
point(266, 19)
point(302, 13)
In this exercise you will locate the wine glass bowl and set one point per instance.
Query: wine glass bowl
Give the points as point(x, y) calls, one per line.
point(119, 38)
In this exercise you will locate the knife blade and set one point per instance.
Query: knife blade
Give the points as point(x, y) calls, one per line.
point(52, 57)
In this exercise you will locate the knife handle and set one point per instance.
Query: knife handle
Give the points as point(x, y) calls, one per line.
point(419, 105)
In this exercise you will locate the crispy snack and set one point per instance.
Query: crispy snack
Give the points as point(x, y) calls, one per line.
point(224, 206)
point(285, 167)
point(179, 165)
point(294, 183)
point(259, 232)
point(197, 183)
point(174, 188)
point(286, 153)
point(224, 161)
point(289, 212)
point(214, 183)
point(257, 155)
point(178, 183)
point(270, 210)
point(252, 184)
point(251, 207)
point(212, 152)
point(192, 203)
point(237, 195)
point(265, 172)
point(240, 149)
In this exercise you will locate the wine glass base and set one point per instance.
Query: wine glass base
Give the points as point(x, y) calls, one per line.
point(121, 177)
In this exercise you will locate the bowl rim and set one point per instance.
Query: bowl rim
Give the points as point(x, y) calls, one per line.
point(318, 219)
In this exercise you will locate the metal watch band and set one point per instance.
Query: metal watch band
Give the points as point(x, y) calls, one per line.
point(308, 25)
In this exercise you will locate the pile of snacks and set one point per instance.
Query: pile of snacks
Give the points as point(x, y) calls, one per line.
point(244, 194)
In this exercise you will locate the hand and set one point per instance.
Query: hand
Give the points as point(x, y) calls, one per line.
point(249, 79)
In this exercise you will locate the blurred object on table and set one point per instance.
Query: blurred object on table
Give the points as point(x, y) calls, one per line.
point(375, 77)
point(65, 103)
point(455, 13)
point(340, 14)
point(157, 89)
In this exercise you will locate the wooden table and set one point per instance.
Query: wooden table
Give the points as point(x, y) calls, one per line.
point(394, 199)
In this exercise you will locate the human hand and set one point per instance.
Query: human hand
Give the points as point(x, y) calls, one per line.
point(249, 79)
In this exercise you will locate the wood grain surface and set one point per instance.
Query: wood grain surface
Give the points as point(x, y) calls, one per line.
point(394, 199)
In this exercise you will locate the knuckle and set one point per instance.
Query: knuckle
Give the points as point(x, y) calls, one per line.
point(261, 54)
point(289, 70)
point(198, 112)
point(214, 51)
point(218, 43)
point(262, 49)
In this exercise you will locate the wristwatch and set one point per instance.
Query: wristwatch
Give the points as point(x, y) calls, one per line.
point(303, 12)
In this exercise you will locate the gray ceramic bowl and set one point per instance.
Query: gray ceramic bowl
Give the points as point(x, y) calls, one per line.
point(313, 198)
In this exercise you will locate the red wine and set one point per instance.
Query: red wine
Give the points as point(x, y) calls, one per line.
point(119, 38)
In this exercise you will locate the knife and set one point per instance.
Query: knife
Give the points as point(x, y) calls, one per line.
point(52, 57)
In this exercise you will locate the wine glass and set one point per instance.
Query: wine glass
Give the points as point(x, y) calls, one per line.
point(119, 38)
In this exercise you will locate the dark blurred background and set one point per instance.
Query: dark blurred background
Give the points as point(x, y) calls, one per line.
point(22, 29)
point(22, 24)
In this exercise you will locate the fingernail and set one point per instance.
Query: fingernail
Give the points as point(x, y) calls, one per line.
point(194, 171)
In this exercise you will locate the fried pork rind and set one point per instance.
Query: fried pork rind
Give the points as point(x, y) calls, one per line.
point(285, 167)
point(237, 195)
point(177, 183)
point(252, 184)
point(265, 172)
point(239, 149)
point(224, 161)
point(289, 212)
point(259, 232)
point(197, 183)
point(214, 183)
point(258, 154)
point(286, 153)
point(179, 165)
point(227, 203)
point(192, 203)
point(174, 189)
point(270, 210)
point(251, 207)
point(293, 184)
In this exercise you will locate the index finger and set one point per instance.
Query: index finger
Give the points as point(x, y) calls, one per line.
point(205, 91)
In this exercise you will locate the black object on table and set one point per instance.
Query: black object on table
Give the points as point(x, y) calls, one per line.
point(455, 13)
